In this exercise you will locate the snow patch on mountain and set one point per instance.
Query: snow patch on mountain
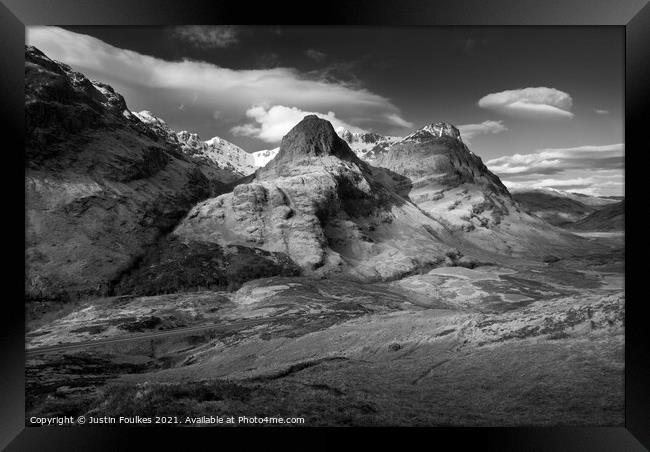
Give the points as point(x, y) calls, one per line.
point(367, 146)
point(157, 124)
point(261, 158)
point(217, 150)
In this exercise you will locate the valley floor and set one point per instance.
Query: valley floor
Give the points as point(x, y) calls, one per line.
point(535, 344)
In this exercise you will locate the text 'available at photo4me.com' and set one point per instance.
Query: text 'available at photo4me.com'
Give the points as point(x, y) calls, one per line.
point(163, 420)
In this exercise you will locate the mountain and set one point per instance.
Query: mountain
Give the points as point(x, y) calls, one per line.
point(452, 185)
point(595, 201)
point(608, 218)
point(559, 207)
point(105, 187)
point(556, 207)
point(615, 198)
point(587, 200)
point(367, 146)
point(215, 152)
point(102, 184)
point(223, 150)
point(433, 169)
point(326, 209)
point(261, 158)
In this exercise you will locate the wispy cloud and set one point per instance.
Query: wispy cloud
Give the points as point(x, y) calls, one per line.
point(399, 121)
point(231, 92)
point(540, 102)
point(270, 124)
point(341, 72)
point(207, 36)
point(551, 161)
point(469, 131)
point(594, 170)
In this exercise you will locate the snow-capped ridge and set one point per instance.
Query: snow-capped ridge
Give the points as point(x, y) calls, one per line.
point(366, 145)
point(221, 152)
point(434, 130)
point(442, 129)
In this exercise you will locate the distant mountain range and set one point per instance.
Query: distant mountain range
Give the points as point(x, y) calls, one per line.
point(563, 208)
point(609, 218)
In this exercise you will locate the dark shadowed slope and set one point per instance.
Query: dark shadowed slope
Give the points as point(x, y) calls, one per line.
point(552, 207)
point(100, 184)
point(609, 218)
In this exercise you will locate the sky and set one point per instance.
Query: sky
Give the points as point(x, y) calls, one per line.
point(542, 106)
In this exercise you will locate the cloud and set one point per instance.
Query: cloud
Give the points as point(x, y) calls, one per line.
point(552, 161)
point(207, 36)
point(469, 131)
point(558, 184)
point(601, 112)
point(315, 55)
point(270, 124)
point(538, 102)
point(593, 170)
point(341, 72)
point(160, 85)
point(399, 121)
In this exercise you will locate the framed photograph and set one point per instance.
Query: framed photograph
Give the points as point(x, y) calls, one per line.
point(372, 215)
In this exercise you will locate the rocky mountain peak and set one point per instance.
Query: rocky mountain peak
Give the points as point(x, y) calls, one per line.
point(442, 129)
point(435, 130)
point(313, 137)
point(50, 81)
point(326, 209)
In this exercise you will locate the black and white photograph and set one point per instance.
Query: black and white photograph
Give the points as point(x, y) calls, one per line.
point(313, 226)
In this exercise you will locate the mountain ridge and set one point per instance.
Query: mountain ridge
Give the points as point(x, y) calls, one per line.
point(104, 175)
point(325, 208)
point(101, 186)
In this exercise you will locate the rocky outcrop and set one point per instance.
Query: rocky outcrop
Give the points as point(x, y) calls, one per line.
point(101, 185)
point(325, 208)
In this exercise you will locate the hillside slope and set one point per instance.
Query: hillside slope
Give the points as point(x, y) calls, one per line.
point(609, 218)
point(100, 184)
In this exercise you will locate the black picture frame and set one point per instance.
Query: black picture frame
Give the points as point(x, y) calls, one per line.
point(632, 15)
